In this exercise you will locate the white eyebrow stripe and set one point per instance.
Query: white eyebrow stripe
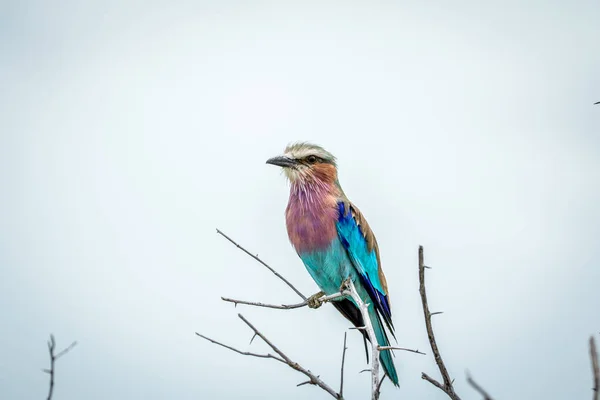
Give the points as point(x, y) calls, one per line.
point(305, 152)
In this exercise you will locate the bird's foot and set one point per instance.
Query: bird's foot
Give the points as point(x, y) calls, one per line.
point(345, 285)
point(314, 300)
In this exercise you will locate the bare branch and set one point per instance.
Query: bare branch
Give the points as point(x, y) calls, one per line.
point(447, 387)
point(595, 368)
point(315, 380)
point(323, 299)
point(53, 358)
point(331, 297)
point(347, 290)
point(281, 357)
point(478, 388)
point(381, 348)
point(257, 304)
point(342, 368)
point(432, 381)
point(244, 353)
point(65, 351)
point(380, 383)
point(364, 310)
point(264, 264)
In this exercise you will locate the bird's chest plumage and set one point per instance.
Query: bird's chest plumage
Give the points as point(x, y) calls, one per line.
point(311, 221)
point(313, 233)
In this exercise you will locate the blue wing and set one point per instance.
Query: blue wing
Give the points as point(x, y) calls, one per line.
point(359, 242)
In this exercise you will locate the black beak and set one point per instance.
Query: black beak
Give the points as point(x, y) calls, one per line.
point(282, 161)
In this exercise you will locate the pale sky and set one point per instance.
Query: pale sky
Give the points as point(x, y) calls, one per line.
point(130, 130)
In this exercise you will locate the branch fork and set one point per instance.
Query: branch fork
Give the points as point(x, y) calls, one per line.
point(346, 290)
point(53, 358)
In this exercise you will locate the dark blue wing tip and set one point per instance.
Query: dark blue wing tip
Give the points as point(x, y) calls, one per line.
point(380, 300)
point(342, 210)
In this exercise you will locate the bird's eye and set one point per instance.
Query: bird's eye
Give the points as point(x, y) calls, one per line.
point(311, 159)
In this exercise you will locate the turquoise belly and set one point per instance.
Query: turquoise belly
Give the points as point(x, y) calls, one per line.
point(329, 267)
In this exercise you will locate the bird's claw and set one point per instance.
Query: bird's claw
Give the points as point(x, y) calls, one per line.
point(314, 300)
point(345, 285)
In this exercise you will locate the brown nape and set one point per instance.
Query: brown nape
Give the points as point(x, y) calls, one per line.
point(325, 172)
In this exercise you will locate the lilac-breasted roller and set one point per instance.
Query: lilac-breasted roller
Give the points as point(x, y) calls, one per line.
point(334, 241)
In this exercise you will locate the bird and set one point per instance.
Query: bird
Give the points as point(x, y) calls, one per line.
point(334, 241)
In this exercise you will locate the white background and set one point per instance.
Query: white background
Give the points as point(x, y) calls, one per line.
point(129, 131)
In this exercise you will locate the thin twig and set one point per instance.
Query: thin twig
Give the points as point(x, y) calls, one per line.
point(347, 291)
point(381, 348)
point(447, 387)
point(478, 388)
point(264, 264)
point(257, 304)
point(432, 381)
point(323, 299)
point(314, 379)
point(252, 338)
point(342, 368)
point(244, 353)
point(595, 369)
point(281, 357)
point(380, 383)
point(53, 358)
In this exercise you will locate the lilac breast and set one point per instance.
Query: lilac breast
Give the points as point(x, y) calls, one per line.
point(310, 221)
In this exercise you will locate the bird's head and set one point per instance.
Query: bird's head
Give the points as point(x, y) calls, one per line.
point(306, 162)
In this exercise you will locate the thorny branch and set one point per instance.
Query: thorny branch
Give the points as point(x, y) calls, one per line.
point(595, 369)
point(263, 263)
point(447, 387)
point(347, 290)
point(342, 368)
point(381, 348)
point(282, 357)
point(53, 358)
point(257, 304)
point(244, 353)
point(322, 299)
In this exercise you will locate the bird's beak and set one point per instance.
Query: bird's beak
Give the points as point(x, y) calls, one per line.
point(283, 161)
